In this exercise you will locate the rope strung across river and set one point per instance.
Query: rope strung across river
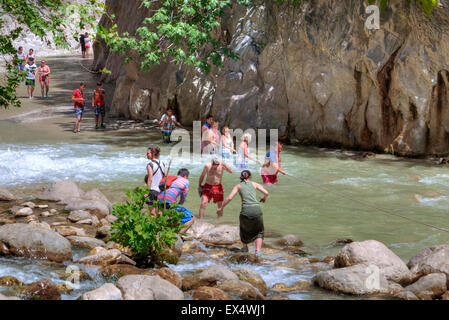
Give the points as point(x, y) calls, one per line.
point(366, 204)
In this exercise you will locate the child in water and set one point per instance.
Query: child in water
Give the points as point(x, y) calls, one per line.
point(167, 123)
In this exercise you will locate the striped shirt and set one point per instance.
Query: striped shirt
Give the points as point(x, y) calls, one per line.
point(179, 187)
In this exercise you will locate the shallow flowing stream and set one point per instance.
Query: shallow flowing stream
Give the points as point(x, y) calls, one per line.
point(115, 160)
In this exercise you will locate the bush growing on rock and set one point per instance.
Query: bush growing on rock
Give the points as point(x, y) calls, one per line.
point(146, 235)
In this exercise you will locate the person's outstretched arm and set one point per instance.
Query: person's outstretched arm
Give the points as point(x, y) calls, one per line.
point(227, 168)
point(200, 182)
point(228, 199)
point(261, 189)
point(245, 152)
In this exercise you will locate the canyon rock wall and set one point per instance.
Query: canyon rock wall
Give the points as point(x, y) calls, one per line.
point(315, 72)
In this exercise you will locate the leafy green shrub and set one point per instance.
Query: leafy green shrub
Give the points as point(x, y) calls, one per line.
point(146, 235)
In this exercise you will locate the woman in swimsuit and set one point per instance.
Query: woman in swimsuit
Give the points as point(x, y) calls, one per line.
point(227, 145)
point(243, 154)
point(44, 78)
point(31, 53)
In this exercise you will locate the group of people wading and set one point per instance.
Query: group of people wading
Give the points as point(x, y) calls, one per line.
point(177, 187)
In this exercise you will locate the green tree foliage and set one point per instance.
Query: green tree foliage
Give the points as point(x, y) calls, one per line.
point(146, 235)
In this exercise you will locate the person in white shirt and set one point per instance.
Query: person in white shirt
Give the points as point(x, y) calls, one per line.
point(155, 173)
point(21, 59)
point(30, 81)
point(167, 123)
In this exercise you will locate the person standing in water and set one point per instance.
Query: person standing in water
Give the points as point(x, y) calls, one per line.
point(78, 99)
point(213, 188)
point(44, 78)
point(30, 79)
point(227, 144)
point(205, 134)
point(243, 153)
point(20, 56)
point(99, 105)
point(167, 123)
point(251, 218)
point(179, 188)
point(155, 173)
point(272, 165)
point(214, 138)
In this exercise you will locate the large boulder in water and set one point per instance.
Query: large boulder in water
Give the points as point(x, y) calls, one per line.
point(3, 297)
point(430, 286)
point(62, 191)
point(373, 252)
point(5, 195)
point(358, 280)
point(86, 242)
point(199, 227)
point(41, 290)
point(221, 235)
point(69, 193)
point(105, 258)
point(30, 241)
point(241, 290)
point(209, 278)
point(142, 287)
point(433, 259)
point(97, 207)
point(209, 293)
point(96, 194)
point(107, 291)
point(252, 277)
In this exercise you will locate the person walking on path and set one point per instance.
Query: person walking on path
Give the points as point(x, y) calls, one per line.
point(167, 123)
point(251, 217)
point(83, 45)
point(99, 105)
point(78, 99)
point(155, 173)
point(213, 188)
point(272, 165)
point(30, 79)
point(243, 153)
point(31, 54)
point(227, 144)
point(20, 56)
point(87, 44)
point(179, 188)
point(44, 78)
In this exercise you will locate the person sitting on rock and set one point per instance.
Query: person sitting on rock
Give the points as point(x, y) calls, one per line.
point(178, 188)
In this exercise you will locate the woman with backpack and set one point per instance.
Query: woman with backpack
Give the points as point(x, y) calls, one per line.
point(156, 172)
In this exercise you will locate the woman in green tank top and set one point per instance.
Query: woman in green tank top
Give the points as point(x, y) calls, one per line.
point(251, 220)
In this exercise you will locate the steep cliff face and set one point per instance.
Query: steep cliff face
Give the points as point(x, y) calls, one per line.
point(315, 73)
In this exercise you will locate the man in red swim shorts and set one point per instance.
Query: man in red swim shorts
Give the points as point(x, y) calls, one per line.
point(212, 189)
point(272, 165)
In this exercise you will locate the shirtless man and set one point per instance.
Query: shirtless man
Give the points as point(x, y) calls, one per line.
point(212, 189)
